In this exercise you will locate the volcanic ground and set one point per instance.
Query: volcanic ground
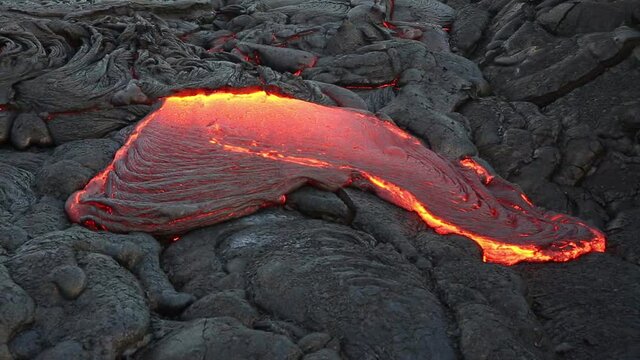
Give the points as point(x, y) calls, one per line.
point(320, 179)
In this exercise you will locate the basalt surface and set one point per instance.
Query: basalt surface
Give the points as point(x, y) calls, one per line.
point(542, 94)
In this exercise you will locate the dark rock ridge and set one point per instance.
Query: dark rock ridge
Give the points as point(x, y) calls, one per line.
point(542, 93)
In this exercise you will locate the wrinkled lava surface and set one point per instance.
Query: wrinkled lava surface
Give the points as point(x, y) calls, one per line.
point(205, 158)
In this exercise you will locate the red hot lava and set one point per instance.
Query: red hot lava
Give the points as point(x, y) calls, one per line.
point(202, 159)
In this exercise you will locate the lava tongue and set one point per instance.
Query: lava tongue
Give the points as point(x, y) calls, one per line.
point(202, 159)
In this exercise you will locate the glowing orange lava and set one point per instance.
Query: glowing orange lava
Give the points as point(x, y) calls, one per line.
point(481, 171)
point(205, 158)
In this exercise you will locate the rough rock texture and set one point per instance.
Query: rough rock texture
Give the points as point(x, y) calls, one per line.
point(403, 320)
point(220, 338)
point(543, 93)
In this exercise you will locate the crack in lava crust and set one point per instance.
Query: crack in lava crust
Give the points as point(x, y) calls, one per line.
point(201, 159)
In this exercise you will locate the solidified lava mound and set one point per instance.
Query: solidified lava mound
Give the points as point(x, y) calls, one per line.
point(203, 159)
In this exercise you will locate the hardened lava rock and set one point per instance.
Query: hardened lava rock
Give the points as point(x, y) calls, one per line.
point(542, 94)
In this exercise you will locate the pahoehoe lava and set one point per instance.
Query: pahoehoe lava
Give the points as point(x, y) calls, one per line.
point(205, 158)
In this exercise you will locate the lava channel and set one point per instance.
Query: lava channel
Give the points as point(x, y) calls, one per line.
point(202, 159)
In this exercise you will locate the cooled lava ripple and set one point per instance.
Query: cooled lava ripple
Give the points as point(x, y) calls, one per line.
point(202, 159)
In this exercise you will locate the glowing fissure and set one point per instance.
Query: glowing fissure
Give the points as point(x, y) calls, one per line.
point(201, 159)
point(389, 25)
point(52, 115)
point(478, 169)
point(393, 83)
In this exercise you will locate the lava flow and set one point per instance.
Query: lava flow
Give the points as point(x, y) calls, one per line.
point(205, 158)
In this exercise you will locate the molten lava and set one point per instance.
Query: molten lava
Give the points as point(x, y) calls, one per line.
point(478, 169)
point(201, 159)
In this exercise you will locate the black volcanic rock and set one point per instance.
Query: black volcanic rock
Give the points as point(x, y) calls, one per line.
point(561, 304)
point(225, 303)
point(16, 310)
point(539, 75)
point(623, 240)
point(6, 123)
point(568, 18)
point(220, 338)
point(311, 252)
point(319, 204)
point(543, 92)
point(29, 129)
point(72, 165)
point(92, 123)
point(428, 11)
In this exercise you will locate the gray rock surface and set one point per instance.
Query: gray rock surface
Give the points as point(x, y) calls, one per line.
point(543, 93)
point(220, 338)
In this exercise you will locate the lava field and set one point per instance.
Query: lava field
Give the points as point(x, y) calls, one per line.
point(319, 179)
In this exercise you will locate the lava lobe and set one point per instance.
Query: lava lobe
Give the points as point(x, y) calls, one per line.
point(202, 159)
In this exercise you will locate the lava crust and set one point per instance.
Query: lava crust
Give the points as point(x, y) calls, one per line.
point(202, 159)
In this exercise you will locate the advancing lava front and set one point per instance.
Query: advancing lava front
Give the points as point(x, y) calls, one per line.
point(206, 158)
